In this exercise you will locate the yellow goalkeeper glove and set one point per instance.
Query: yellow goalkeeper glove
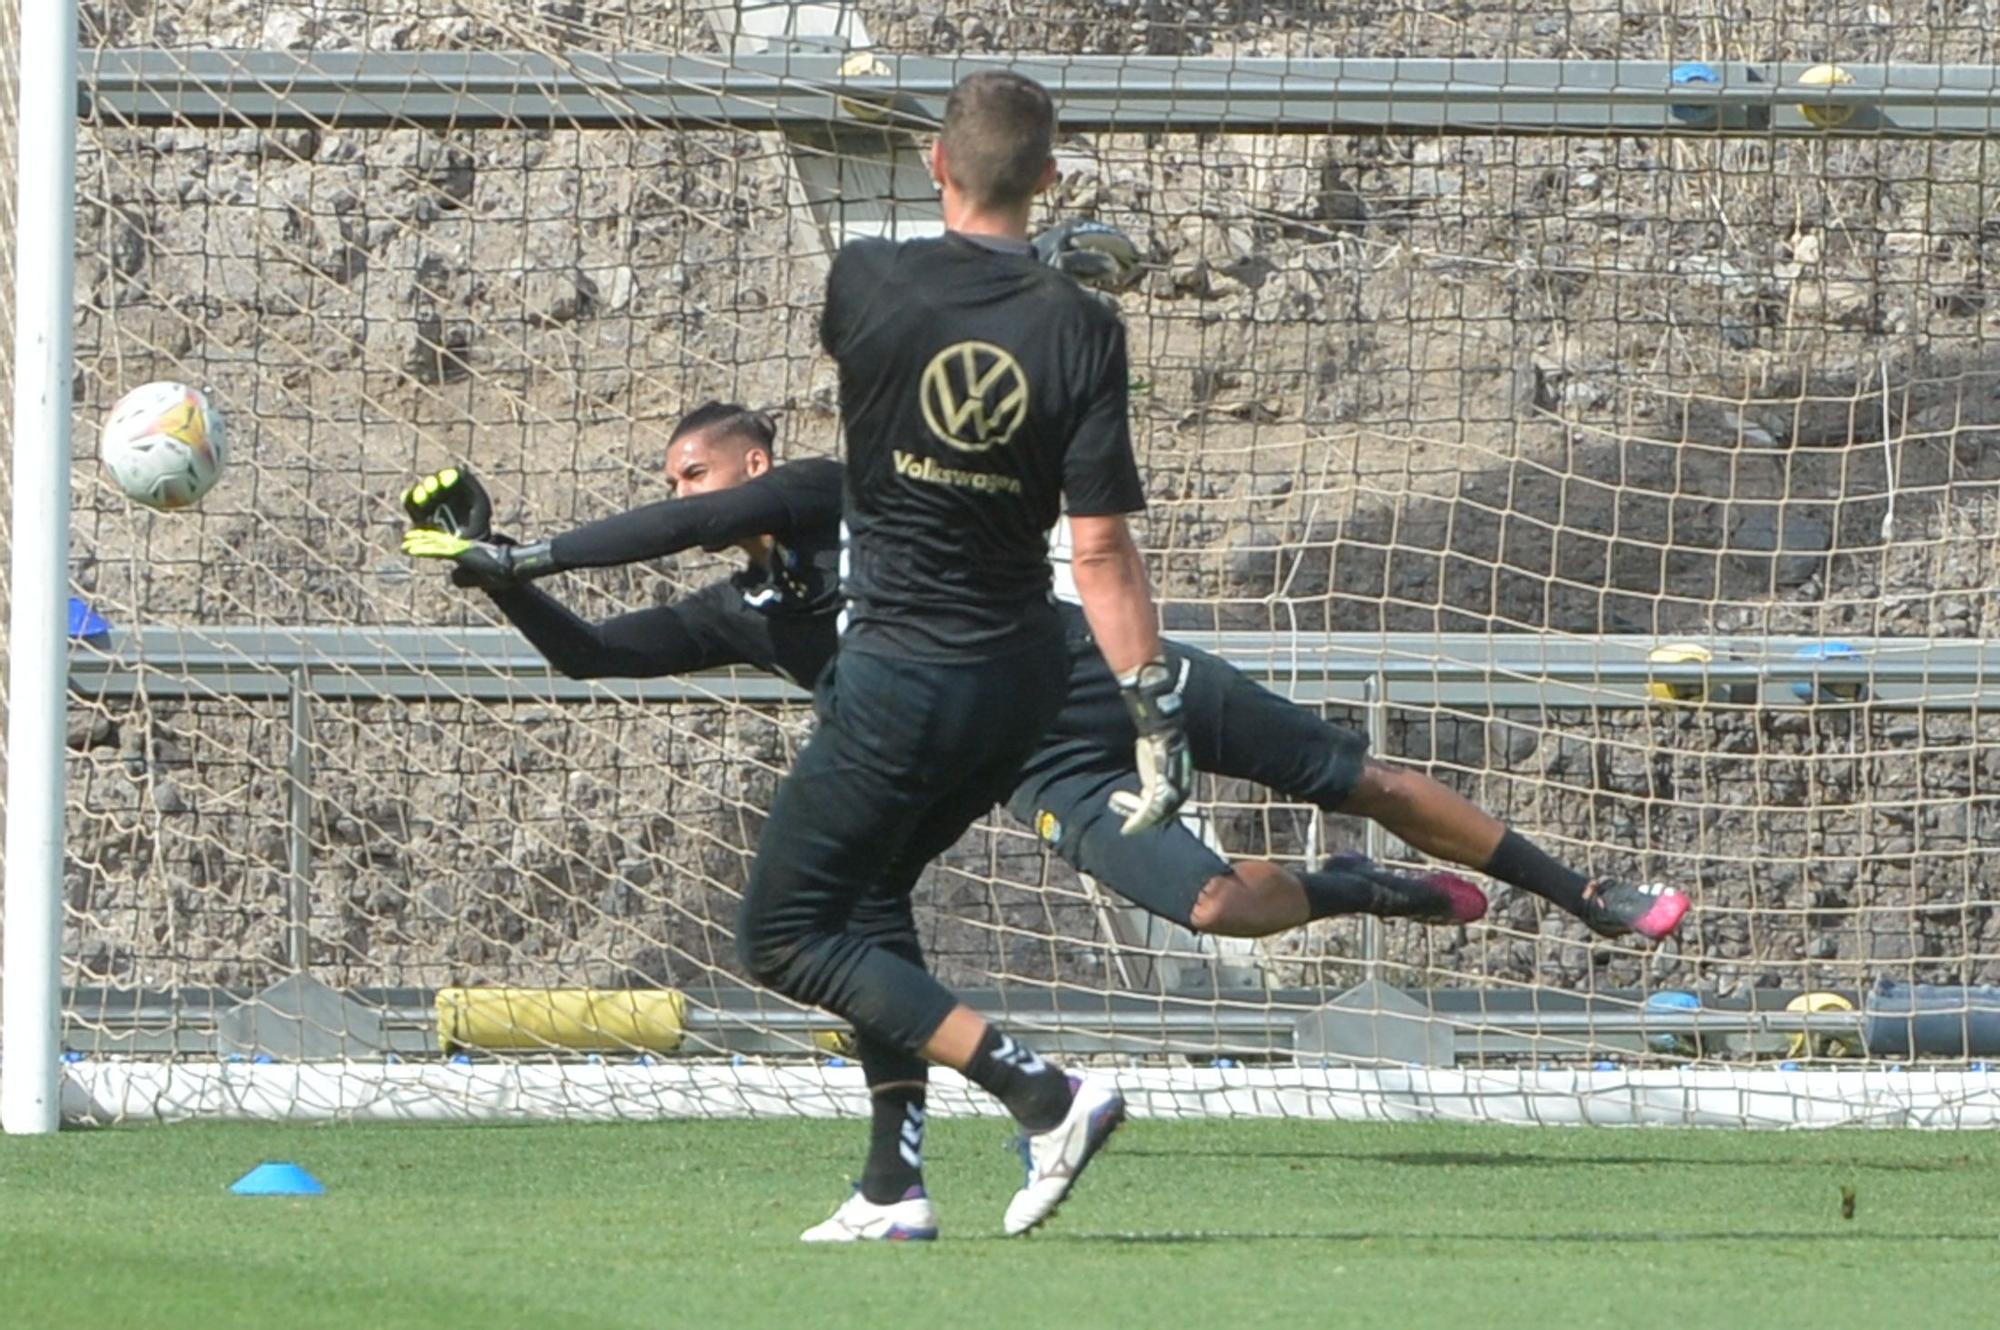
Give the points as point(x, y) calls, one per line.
point(451, 500)
point(490, 565)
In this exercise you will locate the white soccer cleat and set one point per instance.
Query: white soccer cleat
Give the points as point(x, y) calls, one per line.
point(1057, 1157)
point(861, 1220)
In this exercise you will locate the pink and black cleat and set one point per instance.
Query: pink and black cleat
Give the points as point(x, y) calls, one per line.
point(1428, 898)
point(1653, 910)
point(1458, 900)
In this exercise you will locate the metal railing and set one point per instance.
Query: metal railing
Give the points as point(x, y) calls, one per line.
point(1376, 675)
point(802, 86)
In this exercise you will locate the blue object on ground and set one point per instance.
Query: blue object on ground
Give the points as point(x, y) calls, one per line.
point(277, 1179)
point(1671, 1000)
point(87, 625)
point(1843, 691)
point(1698, 75)
point(1932, 1020)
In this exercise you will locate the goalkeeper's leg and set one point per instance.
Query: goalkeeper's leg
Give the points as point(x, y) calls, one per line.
point(1170, 872)
point(1238, 728)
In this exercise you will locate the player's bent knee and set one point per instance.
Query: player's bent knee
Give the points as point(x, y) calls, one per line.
point(1212, 907)
point(772, 962)
point(769, 955)
point(754, 954)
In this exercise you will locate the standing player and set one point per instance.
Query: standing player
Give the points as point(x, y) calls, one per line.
point(980, 393)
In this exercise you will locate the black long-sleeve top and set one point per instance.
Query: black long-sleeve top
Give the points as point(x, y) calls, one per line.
point(780, 615)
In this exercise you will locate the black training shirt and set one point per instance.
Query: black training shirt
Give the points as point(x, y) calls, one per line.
point(776, 615)
point(980, 391)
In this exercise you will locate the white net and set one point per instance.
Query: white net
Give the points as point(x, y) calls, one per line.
point(1564, 398)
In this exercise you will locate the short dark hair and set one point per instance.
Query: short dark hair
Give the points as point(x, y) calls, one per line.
point(999, 135)
point(730, 418)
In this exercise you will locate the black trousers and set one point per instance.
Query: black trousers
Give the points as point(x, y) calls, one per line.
point(906, 757)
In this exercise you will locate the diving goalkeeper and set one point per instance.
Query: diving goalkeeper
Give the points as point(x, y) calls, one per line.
point(780, 614)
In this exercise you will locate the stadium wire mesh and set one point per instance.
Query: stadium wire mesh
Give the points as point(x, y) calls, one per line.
point(1517, 385)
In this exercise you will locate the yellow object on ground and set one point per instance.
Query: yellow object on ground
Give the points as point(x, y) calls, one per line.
point(1678, 690)
point(1826, 76)
point(864, 65)
point(840, 1043)
point(1819, 1045)
point(517, 1020)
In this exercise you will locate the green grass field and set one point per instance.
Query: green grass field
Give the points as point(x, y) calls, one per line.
point(1180, 1224)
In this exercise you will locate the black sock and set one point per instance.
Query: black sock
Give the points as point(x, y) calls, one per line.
point(1331, 892)
point(1036, 1092)
point(895, 1143)
point(1519, 862)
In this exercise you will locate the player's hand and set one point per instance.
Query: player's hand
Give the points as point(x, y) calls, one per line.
point(1096, 254)
point(1166, 766)
point(490, 565)
point(451, 500)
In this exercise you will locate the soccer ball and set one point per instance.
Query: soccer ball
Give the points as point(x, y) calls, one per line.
point(164, 445)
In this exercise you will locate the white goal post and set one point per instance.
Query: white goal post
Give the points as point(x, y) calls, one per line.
point(37, 660)
point(1618, 446)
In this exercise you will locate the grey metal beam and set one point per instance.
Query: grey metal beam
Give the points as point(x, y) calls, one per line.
point(150, 1024)
point(1465, 670)
point(803, 88)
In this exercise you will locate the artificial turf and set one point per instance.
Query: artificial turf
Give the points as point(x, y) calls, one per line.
point(1234, 1224)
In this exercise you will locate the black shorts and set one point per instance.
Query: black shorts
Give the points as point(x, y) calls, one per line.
point(1235, 728)
point(907, 755)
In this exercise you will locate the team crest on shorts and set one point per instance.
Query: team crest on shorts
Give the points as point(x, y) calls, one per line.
point(1048, 826)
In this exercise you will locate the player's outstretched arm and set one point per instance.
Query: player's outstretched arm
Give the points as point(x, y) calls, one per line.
point(778, 500)
point(795, 496)
point(645, 644)
point(451, 517)
point(1118, 600)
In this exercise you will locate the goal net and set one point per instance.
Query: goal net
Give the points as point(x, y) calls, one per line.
point(1554, 462)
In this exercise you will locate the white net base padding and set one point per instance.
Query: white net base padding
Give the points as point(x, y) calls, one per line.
point(103, 1092)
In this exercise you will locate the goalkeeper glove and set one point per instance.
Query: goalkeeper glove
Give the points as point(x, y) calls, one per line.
point(490, 565)
point(1096, 254)
point(451, 500)
point(1166, 766)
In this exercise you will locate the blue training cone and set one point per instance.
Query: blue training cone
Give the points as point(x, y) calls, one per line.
point(1671, 1000)
point(277, 1180)
point(1694, 74)
point(1845, 690)
point(87, 625)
